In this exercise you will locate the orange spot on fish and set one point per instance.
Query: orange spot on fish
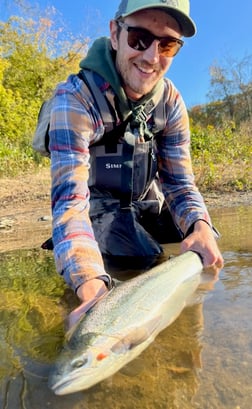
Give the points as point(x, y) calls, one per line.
point(101, 356)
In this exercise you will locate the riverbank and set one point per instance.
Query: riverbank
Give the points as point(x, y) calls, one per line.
point(25, 216)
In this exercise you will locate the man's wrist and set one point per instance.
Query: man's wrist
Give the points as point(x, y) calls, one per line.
point(199, 224)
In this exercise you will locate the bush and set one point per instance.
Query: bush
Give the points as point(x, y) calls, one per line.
point(222, 157)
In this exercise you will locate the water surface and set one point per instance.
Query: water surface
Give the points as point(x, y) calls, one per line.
point(203, 360)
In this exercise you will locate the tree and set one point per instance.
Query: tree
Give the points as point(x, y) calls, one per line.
point(33, 59)
point(35, 63)
point(232, 85)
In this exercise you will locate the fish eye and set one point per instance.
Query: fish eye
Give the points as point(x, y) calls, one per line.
point(79, 362)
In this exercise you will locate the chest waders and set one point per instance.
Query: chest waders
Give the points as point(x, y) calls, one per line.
point(123, 168)
point(123, 172)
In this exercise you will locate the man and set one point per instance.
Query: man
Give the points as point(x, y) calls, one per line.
point(129, 68)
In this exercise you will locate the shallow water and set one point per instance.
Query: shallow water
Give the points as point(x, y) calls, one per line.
point(203, 360)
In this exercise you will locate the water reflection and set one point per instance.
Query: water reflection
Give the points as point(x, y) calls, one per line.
point(194, 363)
point(235, 225)
point(30, 315)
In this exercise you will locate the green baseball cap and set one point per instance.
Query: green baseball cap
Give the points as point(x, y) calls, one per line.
point(178, 9)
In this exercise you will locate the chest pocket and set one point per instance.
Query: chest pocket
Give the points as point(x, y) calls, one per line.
point(144, 168)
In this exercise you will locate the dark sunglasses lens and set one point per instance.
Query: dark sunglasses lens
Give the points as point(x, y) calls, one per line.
point(139, 40)
point(169, 48)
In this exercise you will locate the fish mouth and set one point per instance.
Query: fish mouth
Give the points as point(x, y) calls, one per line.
point(57, 389)
point(68, 385)
point(62, 387)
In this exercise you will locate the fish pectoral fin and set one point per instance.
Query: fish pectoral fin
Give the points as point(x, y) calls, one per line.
point(135, 337)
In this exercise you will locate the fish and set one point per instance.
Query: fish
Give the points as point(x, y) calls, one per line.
point(124, 323)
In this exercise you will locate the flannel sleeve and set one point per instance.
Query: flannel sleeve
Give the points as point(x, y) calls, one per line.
point(74, 123)
point(182, 196)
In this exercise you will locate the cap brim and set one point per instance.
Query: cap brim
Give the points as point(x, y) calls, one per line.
point(187, 25)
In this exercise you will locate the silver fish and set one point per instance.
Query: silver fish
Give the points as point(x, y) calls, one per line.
point(122, 324)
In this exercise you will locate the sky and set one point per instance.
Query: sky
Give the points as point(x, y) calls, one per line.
point(224, 32)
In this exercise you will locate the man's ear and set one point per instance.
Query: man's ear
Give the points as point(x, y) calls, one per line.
point(113, 34)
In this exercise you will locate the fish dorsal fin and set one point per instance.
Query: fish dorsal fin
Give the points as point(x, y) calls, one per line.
point(135, 336)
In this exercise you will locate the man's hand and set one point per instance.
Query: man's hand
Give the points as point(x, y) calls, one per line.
point(89, 293)
point(202, 241)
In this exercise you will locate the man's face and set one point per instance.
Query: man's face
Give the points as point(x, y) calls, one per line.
point(141, 70)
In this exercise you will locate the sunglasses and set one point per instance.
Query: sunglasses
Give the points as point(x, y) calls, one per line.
point(141, 39)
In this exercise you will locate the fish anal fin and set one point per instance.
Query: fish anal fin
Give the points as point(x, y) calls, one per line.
point(135, 336)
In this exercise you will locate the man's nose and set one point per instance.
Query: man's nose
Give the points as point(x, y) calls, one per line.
point(151, 54)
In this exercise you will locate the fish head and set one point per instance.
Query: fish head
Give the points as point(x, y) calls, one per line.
point(85, 361)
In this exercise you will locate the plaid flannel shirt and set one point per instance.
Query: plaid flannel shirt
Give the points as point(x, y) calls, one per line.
point(75, 124)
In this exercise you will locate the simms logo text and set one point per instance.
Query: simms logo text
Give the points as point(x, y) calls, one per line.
point(113, 166)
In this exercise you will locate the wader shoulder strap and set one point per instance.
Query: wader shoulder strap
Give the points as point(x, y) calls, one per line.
point(88, 77)
point(160, 116)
